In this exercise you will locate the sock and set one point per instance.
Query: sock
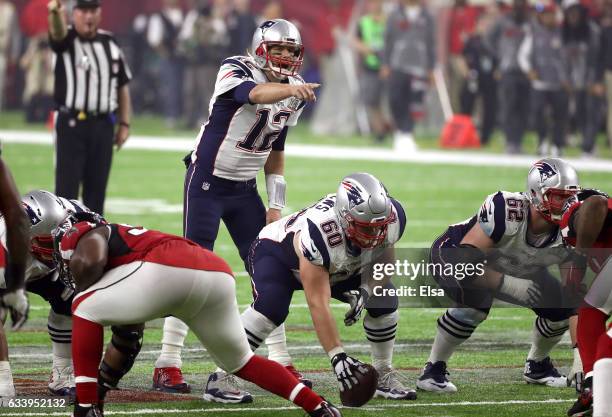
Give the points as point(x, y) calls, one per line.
point(274, 378)
point(545, 336)
point(60, 331)
point(257, 327)
point(380, 332)
point(7, 389)
point(277, 346)
point(602, 377)
point(454, 328)
point(175, 332)
point(87, 354)
point(591, 325)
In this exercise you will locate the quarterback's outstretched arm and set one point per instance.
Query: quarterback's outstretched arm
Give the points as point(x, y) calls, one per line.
point(89, 258)
point(315, 280)
point(270, 93)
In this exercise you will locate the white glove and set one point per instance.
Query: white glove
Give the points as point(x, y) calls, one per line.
point(524, 292)
point(19, 307)
point(357, 299)
point(345, 368)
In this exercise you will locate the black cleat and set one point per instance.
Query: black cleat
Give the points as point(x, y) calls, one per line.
point(584, 404)
point(326, 410)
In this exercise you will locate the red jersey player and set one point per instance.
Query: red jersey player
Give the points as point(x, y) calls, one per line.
point(587, 226)
point(126, 275)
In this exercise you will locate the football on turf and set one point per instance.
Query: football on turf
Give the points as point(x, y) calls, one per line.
point(363, 392)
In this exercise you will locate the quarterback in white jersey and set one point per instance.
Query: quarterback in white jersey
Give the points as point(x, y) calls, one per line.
point(326, 251)
point(45, 211)
point(256, 99)
point(517, 236)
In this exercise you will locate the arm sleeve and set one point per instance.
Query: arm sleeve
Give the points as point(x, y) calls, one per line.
point(279, 143)
point(313, 246)
point(59, 46)
point(492, 216)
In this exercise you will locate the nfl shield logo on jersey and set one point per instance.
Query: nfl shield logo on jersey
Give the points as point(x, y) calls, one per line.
point(546, 170)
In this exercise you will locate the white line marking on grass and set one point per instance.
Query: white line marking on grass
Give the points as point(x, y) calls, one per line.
point(310, 348)
point(146, 411)
point(337, 152)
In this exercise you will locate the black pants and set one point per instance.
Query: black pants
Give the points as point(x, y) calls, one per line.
point(83, 156)
point(587, 113)
point(401, 95)
point(550, 109)
point(487, 90)
point(514, 97)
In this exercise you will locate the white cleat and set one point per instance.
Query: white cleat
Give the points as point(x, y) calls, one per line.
point(62, 382)
point(224, 388)
point(391, 388)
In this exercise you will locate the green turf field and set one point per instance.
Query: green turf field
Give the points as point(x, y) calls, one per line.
point(146, 189)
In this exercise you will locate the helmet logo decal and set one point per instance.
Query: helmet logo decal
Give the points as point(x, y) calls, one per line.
point(267, 24)
point(546, 170)
point(34, 218)
point(353, 193)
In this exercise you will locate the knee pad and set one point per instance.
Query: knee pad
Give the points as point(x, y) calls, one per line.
point(257, 327)
point(461, 322)
point(127, 340)
point(382, 328)
point(383, 306)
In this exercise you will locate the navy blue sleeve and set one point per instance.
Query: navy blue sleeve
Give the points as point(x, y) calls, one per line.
point(401, 214)
point(279, 143)
point(241, 92)
point(500, 217)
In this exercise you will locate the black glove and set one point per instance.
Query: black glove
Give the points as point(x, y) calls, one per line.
point(187, 159)
point(345, 368)
point(357, 299)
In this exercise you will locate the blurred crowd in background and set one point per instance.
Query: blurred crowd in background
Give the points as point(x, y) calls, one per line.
point(513, 65)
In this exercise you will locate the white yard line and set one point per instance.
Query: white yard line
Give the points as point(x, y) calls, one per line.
point(337, 152)
point(147, 411)
point(300, 348)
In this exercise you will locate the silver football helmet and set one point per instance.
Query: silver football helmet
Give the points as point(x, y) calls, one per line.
point(364, 208)
point(46, 211)
point(277, 32)
point(550, 182)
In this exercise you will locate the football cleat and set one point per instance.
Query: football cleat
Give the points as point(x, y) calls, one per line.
point(326, 410)
point(91, 411)
point(434, 378)
point(298, 375)
point(390, 386)
point(544, 373)
point(170, 380)
point(224, 388)
point(584, 404)
point(61, 382)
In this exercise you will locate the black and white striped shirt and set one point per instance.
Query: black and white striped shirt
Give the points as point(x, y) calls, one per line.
point(89, 72)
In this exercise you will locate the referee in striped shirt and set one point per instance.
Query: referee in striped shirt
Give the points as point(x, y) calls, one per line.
point(92, 99)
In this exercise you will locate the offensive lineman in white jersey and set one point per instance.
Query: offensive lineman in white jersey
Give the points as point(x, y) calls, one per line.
point(256, 99)
point(327, 250)
point(46, 211)
point(519, 236)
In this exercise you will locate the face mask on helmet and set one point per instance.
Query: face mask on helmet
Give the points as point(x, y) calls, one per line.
point(367, 235)
point(283, 59)
point(553, 202)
